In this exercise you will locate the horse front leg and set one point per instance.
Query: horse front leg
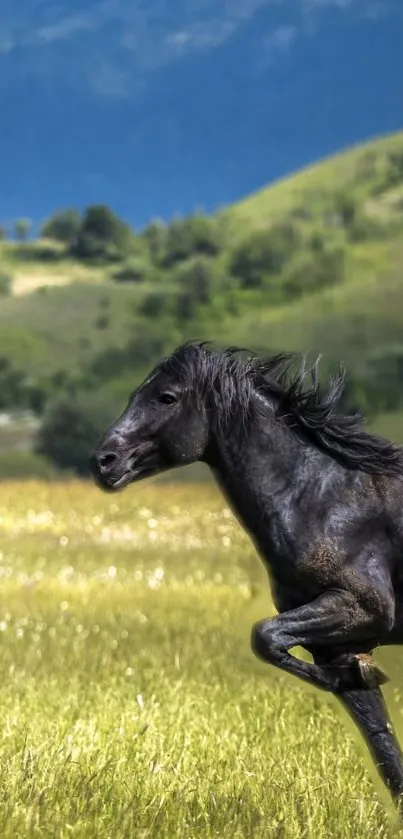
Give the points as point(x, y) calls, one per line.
point(324, 626)
point(368, 710)
point(334, 619)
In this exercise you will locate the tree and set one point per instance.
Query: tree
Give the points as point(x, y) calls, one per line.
point(17, 390)
point(190, 236)
point(22, 228)
point(196, 277)
point(155, 236)
point(63, 226)
point(102, 235)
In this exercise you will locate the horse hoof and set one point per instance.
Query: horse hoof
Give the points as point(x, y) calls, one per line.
point(370, 674)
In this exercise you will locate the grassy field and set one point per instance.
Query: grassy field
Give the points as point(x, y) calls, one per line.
point(131, 705)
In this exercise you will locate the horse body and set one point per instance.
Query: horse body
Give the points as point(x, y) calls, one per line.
point(315, 525)
point(320, 499)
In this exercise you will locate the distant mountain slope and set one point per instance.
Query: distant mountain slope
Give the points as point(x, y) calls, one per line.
point(350, 167)
point(344, 215)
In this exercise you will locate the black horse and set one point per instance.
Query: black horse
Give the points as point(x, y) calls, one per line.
point(321, 499)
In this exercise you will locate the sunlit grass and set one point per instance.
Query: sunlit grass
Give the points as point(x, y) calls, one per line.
point(131, 705)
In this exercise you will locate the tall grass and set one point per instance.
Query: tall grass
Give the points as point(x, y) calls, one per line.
point(130, 703)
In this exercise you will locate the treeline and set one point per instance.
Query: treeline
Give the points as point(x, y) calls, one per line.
point(195, 272)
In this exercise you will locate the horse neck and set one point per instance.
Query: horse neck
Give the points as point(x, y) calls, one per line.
point(260, 469)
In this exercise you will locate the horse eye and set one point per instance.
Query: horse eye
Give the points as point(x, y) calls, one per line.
point(168, 398)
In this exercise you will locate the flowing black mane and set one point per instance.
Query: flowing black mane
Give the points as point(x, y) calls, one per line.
point(229, 378)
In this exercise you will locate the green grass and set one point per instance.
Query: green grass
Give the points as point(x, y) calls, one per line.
point(342, 322)
point(131, 705)
point(50, 329)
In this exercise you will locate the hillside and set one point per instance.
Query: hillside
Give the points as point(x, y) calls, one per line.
point(312, 263)
point(361, 167)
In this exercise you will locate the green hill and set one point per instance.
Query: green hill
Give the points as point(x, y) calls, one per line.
point(362, 167)
point(312, 263)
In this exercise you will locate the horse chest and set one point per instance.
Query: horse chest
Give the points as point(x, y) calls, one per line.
point(299, 569)
point(298, 578)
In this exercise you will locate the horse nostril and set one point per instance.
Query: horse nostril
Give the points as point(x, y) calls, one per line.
point(106, 461)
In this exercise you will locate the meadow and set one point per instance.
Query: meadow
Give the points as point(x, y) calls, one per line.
point(130, 703)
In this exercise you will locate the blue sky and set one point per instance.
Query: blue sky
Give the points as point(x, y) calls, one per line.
point(160, 106)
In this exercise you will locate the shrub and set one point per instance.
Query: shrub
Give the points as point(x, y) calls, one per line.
point(382, 375)
point(264, 253)
point(102, 322)
point(312, 271)
point(71, 429)
point(198, 278)
point(153, 305)
point(155, 237)
point(22, 229)
point(135, 270)
point(102, 236)
point(189, 237)
point(63, 226)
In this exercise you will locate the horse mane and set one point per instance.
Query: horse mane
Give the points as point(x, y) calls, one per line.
point(229, 379)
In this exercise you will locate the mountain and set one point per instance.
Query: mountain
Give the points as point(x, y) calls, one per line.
point(155, 108)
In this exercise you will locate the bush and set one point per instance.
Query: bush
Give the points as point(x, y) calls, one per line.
point(22, 229)
point(71, 429)
point(11, 385)
point(394, 172)
point(346, 207)
point(135, 270)
point(155, 237)
point(312, 271)
point(153, 305)
point(382, 377)
point(263, 254)
point(185, 306)
point(39, 252)
point(189, 237)
point(102, 322)
point(198, 278)
point(366, 228)
point(102, 236)
point(63, 226)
